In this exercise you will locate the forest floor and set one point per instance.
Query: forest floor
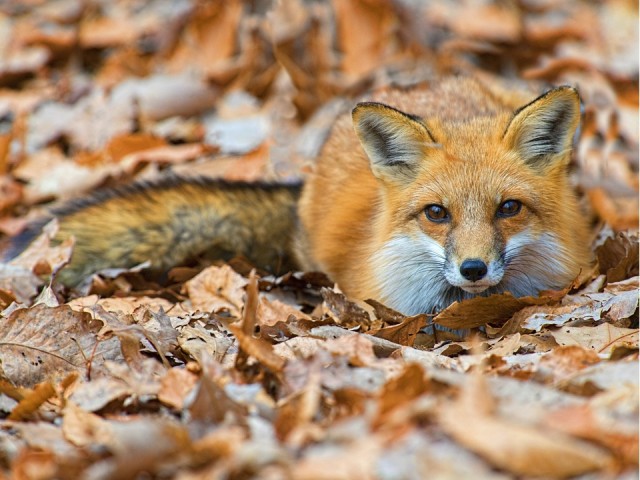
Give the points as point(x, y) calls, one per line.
point(225, 373)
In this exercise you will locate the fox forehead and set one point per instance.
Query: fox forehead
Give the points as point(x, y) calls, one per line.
point(470, 139)
point(471, 186)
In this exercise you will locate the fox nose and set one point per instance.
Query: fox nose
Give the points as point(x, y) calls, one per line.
point(473, 269)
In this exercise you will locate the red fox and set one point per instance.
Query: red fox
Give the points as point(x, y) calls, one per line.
point(418, 199)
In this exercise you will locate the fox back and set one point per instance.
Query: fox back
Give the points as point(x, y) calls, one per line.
point(436, 195)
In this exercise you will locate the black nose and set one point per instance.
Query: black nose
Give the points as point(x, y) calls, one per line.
point(473, 269)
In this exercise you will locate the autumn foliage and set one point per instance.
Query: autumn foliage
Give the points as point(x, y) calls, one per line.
point(219, 371)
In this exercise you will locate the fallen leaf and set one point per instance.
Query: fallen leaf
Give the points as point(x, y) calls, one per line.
point(618, 257)
point(478, 311)
point(405, 332)
point(42, 343)
point(30, 402)
point(259, 349)
point(175, 386)
point(602, 376)
point(400, 390)
point(601, 339)
point(216, 289)
point(516, 448)
point(584, 422)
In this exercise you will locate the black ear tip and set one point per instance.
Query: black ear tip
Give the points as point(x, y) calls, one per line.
point(362, 106)
point(568, 89)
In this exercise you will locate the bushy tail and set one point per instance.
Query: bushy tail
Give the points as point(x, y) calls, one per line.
point(167, 222)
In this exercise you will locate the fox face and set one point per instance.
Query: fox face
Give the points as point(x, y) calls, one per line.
point(473, 207)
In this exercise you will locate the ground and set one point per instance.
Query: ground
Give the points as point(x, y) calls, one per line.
point(227, 373)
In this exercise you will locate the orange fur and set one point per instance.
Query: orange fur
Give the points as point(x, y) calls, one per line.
point(461, 153)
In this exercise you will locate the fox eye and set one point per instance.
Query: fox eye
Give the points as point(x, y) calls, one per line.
point(436, 213)
point(509, 208)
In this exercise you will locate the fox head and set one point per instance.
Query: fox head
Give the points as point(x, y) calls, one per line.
point(473, 206)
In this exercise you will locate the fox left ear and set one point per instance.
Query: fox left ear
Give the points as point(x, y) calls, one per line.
point(542, 131)
point(396, 143)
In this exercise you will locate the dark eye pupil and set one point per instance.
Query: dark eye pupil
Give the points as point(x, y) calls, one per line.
point(510, 207)
point(436, 212)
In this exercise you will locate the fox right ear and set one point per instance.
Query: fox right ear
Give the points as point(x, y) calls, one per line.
point(395, 142)
point(542, 131)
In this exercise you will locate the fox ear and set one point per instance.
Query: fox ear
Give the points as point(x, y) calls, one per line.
point(542, 131)
point(395, 142)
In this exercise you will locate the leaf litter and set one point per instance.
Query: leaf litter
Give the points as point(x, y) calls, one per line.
point(220, 373)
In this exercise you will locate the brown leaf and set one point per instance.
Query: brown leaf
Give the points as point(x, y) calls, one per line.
point(99, 392)
point(564, 361)
point(354, 460)
point(405, 332)
point(249, 314)
point(83, 428)
point(47, 440)
point(175, 386)
point(601, 339)
point(42, 343)
point(19, 282)
point(386, 314)
point(299, 409)
point(584, 422)
point(373, 41)
point(11, 391)
point(168, 155)
point(125, 144)
point(41, 256)
point(22, 63)
point(618, 257)
point(106, 32)
point(35, 462)
point(196, 341)
point(123, 305)
point(127, 441)
point(210, 37)
point(480, 311)
point(215, 289)
point(64, 178)
point(489, 22)
point(159, 97)
point(397, 392)
point(271, 312)
point(218, 445)
point(30, 402)
point(514, 447)
point(618, 213)
point(10, 190)
point(346, 312)
point(602, 376)
point(259, 349)
point(210, 402)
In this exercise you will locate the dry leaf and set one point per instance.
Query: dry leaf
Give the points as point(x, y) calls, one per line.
point(601, 339)
point(298, 386)
point(519, 449)
point(42, 343)
point(175, 386)
point(478, 311)
point(259, 349)
point(216, 289)
point(31, 401)
point(584, 422)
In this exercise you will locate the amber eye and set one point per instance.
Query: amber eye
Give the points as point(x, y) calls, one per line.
point(436, 213)
point(509, 208)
